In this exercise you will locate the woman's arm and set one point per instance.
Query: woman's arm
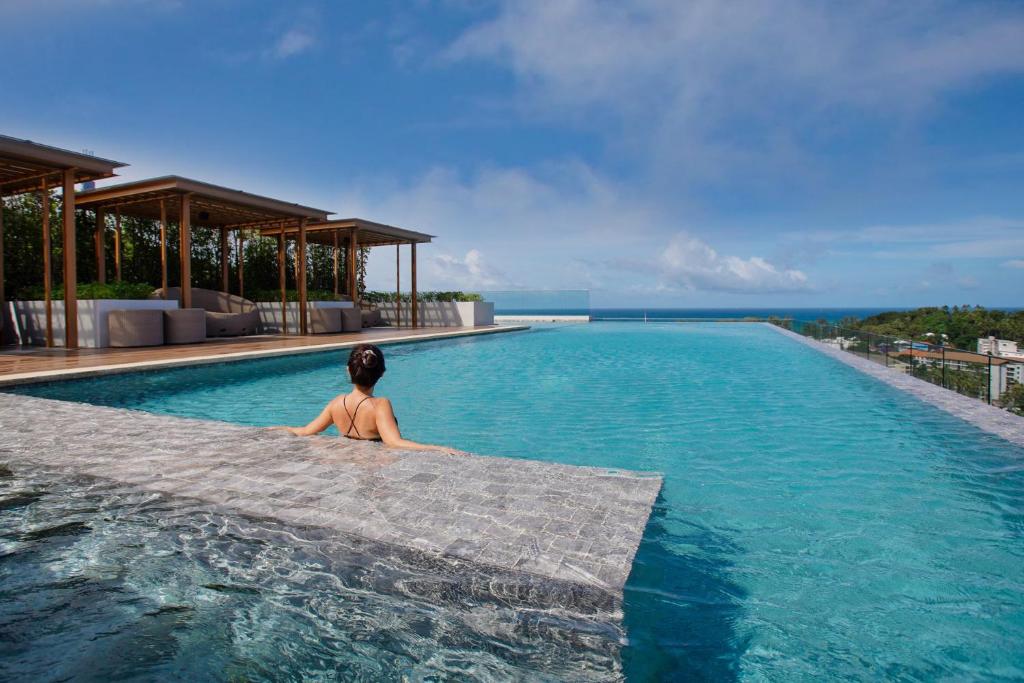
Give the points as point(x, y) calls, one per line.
point(387, 427)
point(319, 424)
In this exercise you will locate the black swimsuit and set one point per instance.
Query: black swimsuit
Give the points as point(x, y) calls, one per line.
point(352, 422)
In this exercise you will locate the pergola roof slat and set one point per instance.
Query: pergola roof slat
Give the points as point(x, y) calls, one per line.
point(25, 166)
point(210, 205)
point(370, 234)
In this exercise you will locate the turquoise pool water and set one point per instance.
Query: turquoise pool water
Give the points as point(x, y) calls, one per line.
point(814, 523)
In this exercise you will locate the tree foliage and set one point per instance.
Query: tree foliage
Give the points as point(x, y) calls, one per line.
point(963, 325)
point(140, 253)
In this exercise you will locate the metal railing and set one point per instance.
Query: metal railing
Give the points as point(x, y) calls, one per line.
point(978, 375)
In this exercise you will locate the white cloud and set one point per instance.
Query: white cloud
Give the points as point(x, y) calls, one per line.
point(979, 237)
point(690, 263)
point(534, 224)
point(1014, 263)
point(294, 41)
point(709, 87)
point(469, 272)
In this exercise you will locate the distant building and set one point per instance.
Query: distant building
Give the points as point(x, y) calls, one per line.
point(997, 368)
point(1008, 350)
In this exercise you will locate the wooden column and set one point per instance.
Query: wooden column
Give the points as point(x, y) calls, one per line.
point(241, 264)
point(70, 263)
point(185, 239)
point(163, 245)
point(44, 206)
point(117, 244)
point(351, 268)
point(415, 304)
point(3, 301)
point(398, 285)
point(101, 245)
point(282, 280)
point(300, 275)
point(335, 259)
point(224, 266)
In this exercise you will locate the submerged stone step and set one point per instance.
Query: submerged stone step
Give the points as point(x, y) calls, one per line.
point(519, 530)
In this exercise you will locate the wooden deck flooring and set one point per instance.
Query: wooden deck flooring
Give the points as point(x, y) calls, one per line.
point(27, 364)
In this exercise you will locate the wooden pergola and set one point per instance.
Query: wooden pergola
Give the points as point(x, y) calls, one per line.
point(26, 166)
point(354, 233)
point(194, 203)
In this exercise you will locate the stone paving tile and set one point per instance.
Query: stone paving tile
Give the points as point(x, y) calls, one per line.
point(571, 525)
point(987, 418)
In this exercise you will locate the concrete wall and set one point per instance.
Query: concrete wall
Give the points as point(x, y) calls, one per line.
point(270, 313)
point(441, 313)
point(93, 331)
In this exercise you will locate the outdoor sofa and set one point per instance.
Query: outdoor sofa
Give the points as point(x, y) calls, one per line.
point(227, 315)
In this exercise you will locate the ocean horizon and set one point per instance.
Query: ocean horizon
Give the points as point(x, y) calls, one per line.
point(796, 313)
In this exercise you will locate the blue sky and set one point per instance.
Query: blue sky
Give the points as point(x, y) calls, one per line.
point(658, 153)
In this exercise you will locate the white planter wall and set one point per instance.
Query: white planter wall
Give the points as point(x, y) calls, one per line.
point(270, 313)
point(93, 332)
point(442, 313)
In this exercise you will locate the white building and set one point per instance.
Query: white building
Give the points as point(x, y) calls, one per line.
point(1004, 348)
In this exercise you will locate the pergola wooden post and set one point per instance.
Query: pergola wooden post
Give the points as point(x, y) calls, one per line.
point(335, 261)
point(3, 301)
point(301, 276)
point(241, 264)
point(283, 281)
point(398, 285)
point(70, 263)
point(185, 228)
point(163, 245)
point(117, 244)
point(224, 266)
point(44, 206)
point(101, 245)
point(415, 304)
point(352, 268)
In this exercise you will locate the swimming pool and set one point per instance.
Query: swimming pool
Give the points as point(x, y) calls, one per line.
point(813, 521)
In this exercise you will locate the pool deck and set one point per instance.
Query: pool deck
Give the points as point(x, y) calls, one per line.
point(988, 418)
point(21, 365)
point(518, 530)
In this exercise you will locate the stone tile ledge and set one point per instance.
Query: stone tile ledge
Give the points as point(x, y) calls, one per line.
point(572, 526)
point(987, 418)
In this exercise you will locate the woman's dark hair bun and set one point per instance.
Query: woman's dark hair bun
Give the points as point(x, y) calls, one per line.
point(366, 365)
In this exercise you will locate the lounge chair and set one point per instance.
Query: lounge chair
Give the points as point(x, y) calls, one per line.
point(227, 315)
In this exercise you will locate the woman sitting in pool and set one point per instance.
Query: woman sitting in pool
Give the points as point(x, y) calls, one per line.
point(361, 415)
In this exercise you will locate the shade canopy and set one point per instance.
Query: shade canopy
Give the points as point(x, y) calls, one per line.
point(27, 166)
point(209, 205)
point(368, 233)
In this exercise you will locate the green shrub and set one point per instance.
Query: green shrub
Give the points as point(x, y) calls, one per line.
point(428, 296)
point(92, 290)
point(291, 295)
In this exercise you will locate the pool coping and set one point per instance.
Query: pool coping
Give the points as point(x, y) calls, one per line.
point(541, 533)
point(986, 417)
point(16, 379)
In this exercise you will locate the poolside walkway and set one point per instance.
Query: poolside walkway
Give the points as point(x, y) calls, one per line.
point(20, 365)
point(988, 418)
point(519, 531)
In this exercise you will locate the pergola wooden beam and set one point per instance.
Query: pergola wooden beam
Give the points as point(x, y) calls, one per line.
point(194, 202)
point(25, 167)
point(360, 233)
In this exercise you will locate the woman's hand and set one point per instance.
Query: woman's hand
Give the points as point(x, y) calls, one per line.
point(291, 430)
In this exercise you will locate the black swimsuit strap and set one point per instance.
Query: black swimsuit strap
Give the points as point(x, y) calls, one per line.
point(352, 416)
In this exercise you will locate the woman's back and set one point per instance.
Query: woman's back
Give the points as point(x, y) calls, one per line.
point(355, 416)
